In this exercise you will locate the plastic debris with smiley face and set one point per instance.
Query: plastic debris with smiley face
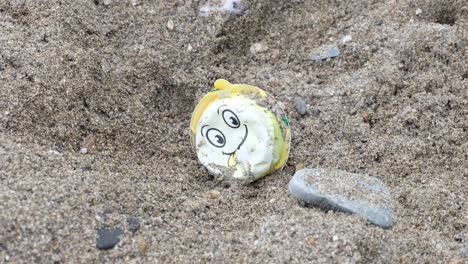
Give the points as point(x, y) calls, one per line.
point(240, 131)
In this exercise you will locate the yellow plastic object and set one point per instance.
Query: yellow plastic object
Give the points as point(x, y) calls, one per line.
point(240, 131)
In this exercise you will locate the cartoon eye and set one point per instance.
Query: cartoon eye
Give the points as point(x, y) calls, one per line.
point(216, 137)
point(231, 119)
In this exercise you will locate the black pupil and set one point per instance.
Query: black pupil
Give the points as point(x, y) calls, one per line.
point(234, 121)
point(219, 139)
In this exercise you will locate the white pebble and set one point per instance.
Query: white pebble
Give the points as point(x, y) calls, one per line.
point(170, 24)
point(135, 2)
point(418, 11)
point(258, 48)
point(53, 152)
point(98, 218)
point(84, 150)
point(346, 39)
point(230, 6)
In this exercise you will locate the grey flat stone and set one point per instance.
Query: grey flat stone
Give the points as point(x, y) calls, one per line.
point(325, 52)
point(107, 238)
point(339, 190)
point(301, 105)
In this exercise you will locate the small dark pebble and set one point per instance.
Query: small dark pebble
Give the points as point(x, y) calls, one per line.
point(133, 224)
point(379, 22)
point(459, 238)
point(1, 67)
point(207, 178)
point(107, 238)
point(316, 112)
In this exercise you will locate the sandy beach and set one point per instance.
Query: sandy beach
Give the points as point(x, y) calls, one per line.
point(96, 98)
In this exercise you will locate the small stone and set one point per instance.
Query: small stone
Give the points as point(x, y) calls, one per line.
point(418, 11)
point(99, 217)
point(365, 117)
point(459, 238)
point(464, 251)
point(107, 2)
point(170, 24)
point(89, 143)
point(339, 190)
point(311, 241)
point(142, 245)
point(316, 112)
point(135, 2)
point(325, 52)
point(346, 39)
point(299, 166)
point(301, 105)
point(189, 48)
point(56, 258)
point(258, 48)
point(214, 194)
point(229, 6)
point(107, 238)
point(84, 150)
point(158, 220)
point(133, 224)
point(335, 238)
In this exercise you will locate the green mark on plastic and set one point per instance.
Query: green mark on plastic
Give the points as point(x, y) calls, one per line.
point(213, 90)
point(285, 120)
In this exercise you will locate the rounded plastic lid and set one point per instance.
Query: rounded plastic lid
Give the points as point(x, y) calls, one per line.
point(240, 132)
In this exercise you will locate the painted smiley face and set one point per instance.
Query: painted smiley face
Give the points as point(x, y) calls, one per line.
point(237, 135)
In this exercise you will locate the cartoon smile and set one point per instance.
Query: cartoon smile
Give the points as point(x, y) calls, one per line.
point(232, 155)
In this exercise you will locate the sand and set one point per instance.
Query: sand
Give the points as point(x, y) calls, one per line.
point(121, 81)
